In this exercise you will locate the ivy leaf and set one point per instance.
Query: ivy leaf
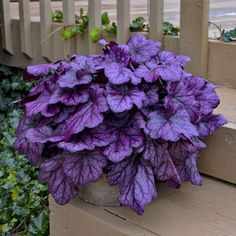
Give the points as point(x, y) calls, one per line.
point(38, 226)
point(105, 18)
point(66, 33)
point(95, 35)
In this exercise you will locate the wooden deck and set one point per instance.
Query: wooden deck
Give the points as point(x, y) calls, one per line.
point(222, 12)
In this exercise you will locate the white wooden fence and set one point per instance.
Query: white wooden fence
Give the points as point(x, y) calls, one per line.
point(193, 24)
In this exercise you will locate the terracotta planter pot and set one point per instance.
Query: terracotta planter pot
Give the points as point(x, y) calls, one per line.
point(100, 193)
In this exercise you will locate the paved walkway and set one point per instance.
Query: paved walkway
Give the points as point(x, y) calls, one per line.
point(222, 12)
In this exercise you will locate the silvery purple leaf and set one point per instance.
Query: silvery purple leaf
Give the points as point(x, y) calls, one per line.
point(37, 105)
point(119, 148)
point(164, 168)
point(84, 168)
point(142, 49)
point(118, 74)
point(42, 135)
point(61, 186)
point(88, 115)
point(188, 170)
point(125, 137)
point(69, 96)
point(183, 148)
point(209, 124)
point(136, 181)
point(35, 71)
point(33, 151)
point(89, 139)
point(118, 54)
point(182, 95)
point(208, 99)
point(74, 77)
point(122, 98)
point(170, 125)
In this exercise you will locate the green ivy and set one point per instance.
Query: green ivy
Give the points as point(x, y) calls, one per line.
point(23, 200)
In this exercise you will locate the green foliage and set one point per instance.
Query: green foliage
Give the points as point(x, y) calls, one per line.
point(138, 25)
point(169, 29)
point(57, 16)
point(69, 31)
point(228, 36)
point(81, 24)
point(105, 18)
point(23, 200)
point(95, 35)
point(225, 36)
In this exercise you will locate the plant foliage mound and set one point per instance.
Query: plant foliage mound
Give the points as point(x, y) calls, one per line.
point(132, 113)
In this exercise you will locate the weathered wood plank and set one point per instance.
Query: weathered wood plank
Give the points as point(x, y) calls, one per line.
point(6, 27)
point(208, 210)
point(25, 28)
point(69, 19)
point(94, 12)
point(194, 17)
point(123, 20)
point(156, 10)
point(46, 28)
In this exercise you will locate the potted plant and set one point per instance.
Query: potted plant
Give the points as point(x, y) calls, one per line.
point(131, 115)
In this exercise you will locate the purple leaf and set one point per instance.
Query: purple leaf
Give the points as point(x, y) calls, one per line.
point(208, 99)
point(84, 168)
point(73, 77)
point(118, 54)
point(69, 96)
point(122, 98)
point(88, 115)
point(89, 139)
point(33, 151)
point(188, 171)
point(42, 135)
point(142, 49)
point(151, 94)
point(210, 123)
point(124, 138)
point(37, 105)
point(60, 185)
point(136, 181)
point(118, 74)
point(182, 94)
point(183, 148)
point(119, 148)
point(164, 169)
point(34, 72)
point(170, 125)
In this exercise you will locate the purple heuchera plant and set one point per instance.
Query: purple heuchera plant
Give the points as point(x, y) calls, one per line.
point(132, 113)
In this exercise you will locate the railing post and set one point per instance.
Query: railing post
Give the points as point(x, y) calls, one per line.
point(25, 28)
point(94, 12)
point(69, 19)
point(6, 27)
point(123, 20)
point(156, 8)
point(194, 16)
point(46, 28)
